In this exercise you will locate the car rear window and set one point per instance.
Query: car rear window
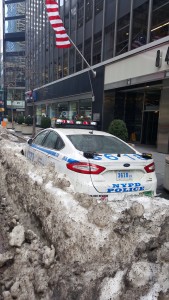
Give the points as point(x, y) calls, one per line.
point(99, 144)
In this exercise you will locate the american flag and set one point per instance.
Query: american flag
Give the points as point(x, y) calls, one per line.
point(62, 39)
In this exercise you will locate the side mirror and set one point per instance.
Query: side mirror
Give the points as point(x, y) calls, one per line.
point(30, 141)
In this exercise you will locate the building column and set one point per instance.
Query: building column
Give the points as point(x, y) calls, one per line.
point(163, 123)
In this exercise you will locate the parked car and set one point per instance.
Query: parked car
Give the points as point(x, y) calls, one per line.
point(96, 163)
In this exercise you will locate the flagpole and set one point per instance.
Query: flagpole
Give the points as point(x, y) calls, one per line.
point(94, 72)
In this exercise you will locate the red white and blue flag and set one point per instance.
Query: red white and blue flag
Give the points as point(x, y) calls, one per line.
point(62, 39)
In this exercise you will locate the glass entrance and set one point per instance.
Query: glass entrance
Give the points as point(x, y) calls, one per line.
point(150, 127)
point(138, 106)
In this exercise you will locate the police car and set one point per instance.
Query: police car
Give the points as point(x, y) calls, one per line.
point(96, 163)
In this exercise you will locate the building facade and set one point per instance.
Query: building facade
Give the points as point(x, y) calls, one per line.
point(14, 56)
point(126, 42)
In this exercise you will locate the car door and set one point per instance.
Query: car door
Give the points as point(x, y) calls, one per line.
point(34, 150)
point(52, 146)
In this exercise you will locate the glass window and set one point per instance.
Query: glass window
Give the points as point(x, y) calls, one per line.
point(79, 59)
point(160, 19)
point(98, 6)
point(99, 144)
point(140, 19)
point(63, 110)
point(72, 61)
point(87, 51)
point(53, 141)
point(85, 110)
point(97, 48)
point(80, 13)
point(14, 9)
point(15, 46)
point(15, 26)
point(89, 9)
point(65, 63)
point(108, 41)
point(73, 110)
point(73, 13)
point(123, 27)
point(50, 141)
point(38, 140)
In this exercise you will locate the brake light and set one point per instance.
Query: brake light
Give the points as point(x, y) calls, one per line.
point(85, 168)
point(150, 168)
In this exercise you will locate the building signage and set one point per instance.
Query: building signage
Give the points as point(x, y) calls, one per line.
point(15, 104)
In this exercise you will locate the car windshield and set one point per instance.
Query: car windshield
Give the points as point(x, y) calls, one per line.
point(99, 144)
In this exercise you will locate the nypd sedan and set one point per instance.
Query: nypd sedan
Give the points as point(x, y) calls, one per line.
point(96, 163)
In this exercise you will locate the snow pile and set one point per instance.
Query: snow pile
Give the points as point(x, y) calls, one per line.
point(63, 245)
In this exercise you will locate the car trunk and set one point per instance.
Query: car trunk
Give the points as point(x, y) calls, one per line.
point(121, 174)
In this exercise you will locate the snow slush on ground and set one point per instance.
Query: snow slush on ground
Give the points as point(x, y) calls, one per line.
point(58, 245)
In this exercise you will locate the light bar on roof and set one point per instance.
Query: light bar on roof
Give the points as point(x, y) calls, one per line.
point(61, 121)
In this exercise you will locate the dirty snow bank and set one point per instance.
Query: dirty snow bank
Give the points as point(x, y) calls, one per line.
point(63, 245)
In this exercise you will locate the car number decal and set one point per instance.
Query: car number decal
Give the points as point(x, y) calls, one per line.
point(125, 187)
point(30, 155)
point(116, 157)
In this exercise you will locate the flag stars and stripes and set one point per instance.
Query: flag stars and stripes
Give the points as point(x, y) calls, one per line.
point(62, 39)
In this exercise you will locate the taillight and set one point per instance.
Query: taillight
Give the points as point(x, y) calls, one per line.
point(85, 168)
point(150, 168)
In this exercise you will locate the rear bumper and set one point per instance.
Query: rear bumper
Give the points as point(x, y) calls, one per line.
point(148, 189)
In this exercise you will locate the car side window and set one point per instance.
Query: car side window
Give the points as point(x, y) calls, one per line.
point(50, 141)
point(59, 143)
point(38, 140)
point(53, 141)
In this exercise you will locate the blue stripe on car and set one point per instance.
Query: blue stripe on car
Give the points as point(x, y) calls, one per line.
point(53, 153)
point(48, 151)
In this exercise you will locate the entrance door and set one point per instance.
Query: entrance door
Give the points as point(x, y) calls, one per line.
point(150, 127)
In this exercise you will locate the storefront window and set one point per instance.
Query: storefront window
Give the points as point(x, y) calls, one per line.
point(73, 110)
point(85, 109)
point(62, 110)
point(160, 19)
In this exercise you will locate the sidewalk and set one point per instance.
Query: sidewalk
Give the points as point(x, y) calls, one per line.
point(159, 159)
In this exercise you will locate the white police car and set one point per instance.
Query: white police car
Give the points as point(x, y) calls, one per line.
point(96, 163)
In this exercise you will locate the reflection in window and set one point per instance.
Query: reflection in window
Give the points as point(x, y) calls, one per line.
point(89, 9)
point(97, 48)
point(123, 27)
point(14, 9)
point(15, 26)
point(108, 41)
point(15, 46)
point(85, 110)
point(72, 60)
point(98, 6)
point(73, 18)
point(140, 19)
point(79, 59)
point(80, 13)
point(87, 51)
point(66, 22)
point(160, 19)
point(65, 64)
point(38, 140)
point(62, 110)
point(73, 110)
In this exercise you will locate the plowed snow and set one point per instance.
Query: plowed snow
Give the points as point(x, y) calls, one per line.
point(55, 244)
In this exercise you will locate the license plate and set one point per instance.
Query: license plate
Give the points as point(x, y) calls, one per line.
point(123, 176)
